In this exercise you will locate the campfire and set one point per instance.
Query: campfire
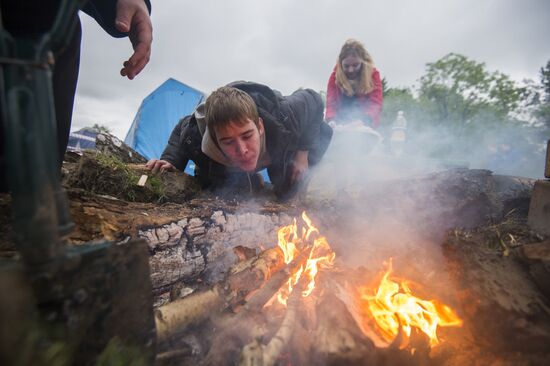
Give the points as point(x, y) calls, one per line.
point(393, 309)
point(391, 306)
point(296, 304)
point(319, 255)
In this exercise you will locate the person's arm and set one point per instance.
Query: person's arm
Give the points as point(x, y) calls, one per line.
point(309, 121)
point(174, 153)
point(332, 97)
point(126, 18)
point(300, 166)
point(375, 100)
point(133, 18)
point(104, 13)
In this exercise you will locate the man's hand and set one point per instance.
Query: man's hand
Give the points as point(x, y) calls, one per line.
point(159, 165)
point(299, 167)
point(132, 17)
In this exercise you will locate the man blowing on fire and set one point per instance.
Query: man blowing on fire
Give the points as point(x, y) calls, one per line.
point(245, 127)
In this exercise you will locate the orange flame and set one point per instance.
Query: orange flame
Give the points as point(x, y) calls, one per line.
point(292, 245)
point(394, 306)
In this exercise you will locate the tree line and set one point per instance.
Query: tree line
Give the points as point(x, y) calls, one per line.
point(462, 111)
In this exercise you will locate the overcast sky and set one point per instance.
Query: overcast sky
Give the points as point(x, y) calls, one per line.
point(288, 44)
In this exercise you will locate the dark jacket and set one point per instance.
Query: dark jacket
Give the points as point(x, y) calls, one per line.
point(104, 13)
point(32, 17)
point(291, 123)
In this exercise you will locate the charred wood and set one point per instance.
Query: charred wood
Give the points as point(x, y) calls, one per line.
point(337, 338)
point(437, 201)
point(245, 278)
point(255, 354)
point(240, 329)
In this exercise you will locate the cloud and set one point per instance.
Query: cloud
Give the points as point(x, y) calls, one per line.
point(289, 44)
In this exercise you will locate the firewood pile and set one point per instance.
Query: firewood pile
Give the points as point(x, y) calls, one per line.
point(260, 314)
point(493, 301)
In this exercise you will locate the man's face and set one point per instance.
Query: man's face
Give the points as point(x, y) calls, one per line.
point(352, 67)
point(240, 142)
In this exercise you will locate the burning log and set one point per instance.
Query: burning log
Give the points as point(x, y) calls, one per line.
point(394, 308)
point(337, 338)
point(255, 354)
point(264, 294)
point(190, 245)
point(178, 315)
point(186, 242)
point(244, 278)
point(238, 330)
point(304, 254)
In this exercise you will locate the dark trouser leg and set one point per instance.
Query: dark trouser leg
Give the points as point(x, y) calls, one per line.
point(64, 80)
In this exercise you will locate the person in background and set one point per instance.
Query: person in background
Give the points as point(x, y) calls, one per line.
point(354, 91)
point(119, 18)
point(245, 127)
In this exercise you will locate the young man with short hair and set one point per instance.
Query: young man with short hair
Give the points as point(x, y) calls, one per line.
point(245, 127)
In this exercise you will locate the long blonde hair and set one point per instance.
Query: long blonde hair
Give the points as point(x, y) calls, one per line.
point(364, 85)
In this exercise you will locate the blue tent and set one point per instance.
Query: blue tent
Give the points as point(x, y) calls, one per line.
point(158, 114)
point(82, 139)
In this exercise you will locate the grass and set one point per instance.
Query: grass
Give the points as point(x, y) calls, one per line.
point(129, 177)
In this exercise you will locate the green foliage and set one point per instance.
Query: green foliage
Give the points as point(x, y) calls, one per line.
point(545, 80)
point(113, 163)
point(157, 187)
point(402, 99)
point(385, 87)
point(543, 115)
point(118, 354)
point(124, 180)
point(461, 110)
point(41, 346)
point(460, 88)
point(542, 112)
point(100, 128)
point(130, 178)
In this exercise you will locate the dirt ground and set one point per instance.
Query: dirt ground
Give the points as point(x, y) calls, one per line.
point(463, 224)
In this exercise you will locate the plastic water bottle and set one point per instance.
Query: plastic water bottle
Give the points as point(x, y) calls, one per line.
point(398, 134)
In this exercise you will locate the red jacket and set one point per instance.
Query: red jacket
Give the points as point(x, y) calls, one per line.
point(371, 102)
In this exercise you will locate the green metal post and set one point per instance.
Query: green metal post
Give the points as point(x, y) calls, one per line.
point(39, 203)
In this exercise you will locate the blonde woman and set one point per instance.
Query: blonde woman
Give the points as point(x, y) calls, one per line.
point(354, 91)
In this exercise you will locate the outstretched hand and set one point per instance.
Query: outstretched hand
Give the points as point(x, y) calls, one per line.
point(299, 167)
point(159, 165)
point(132, 17)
